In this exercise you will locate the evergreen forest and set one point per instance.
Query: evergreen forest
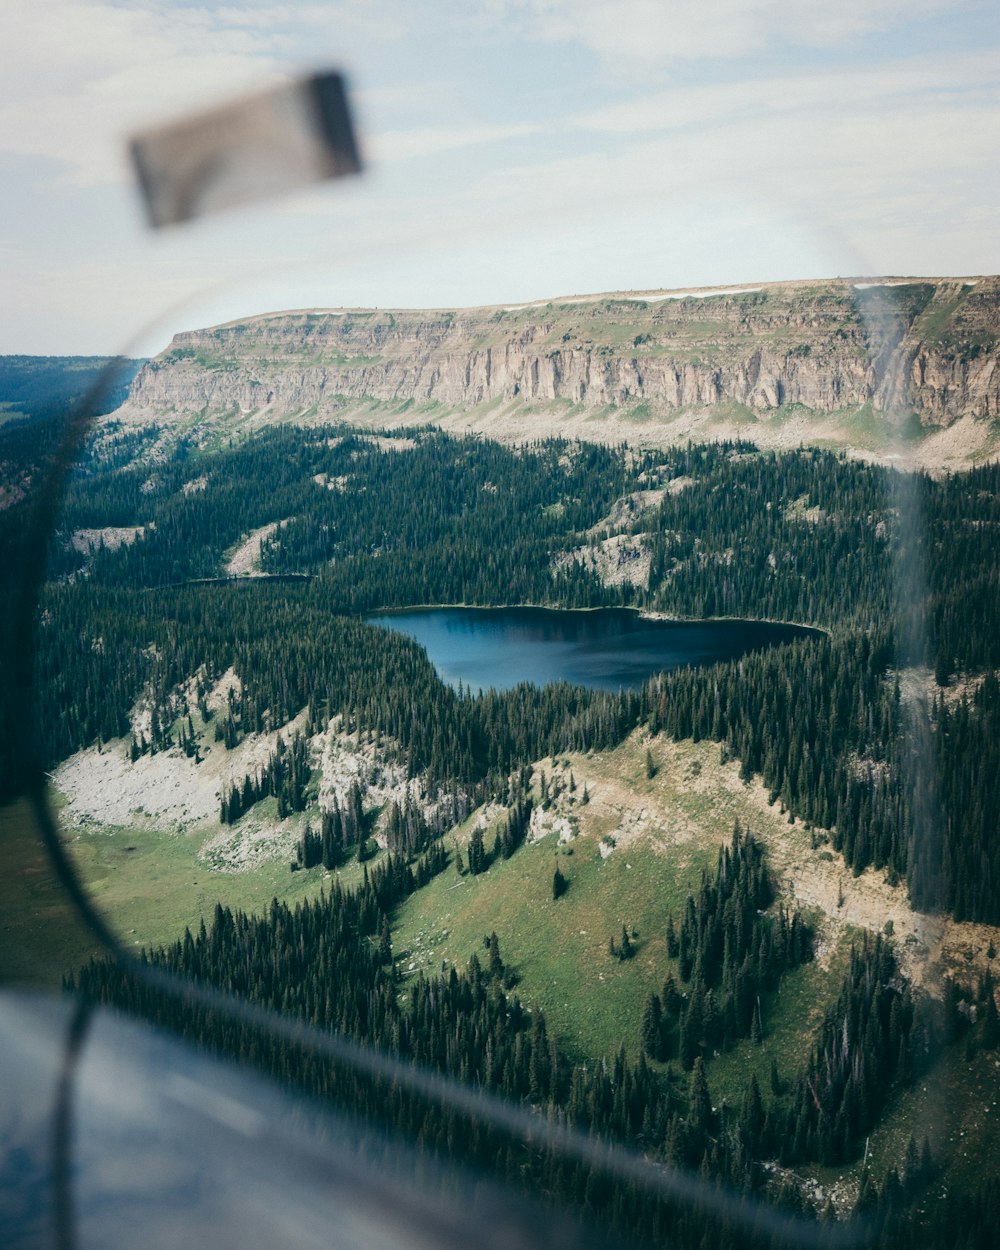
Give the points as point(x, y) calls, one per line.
point(883, 730)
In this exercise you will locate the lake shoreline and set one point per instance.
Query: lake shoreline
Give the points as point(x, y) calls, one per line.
point(604, 648)
point(648, 614)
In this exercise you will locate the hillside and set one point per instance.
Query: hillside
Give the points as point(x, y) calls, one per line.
point(224, 726)
point(898, 368)
point(42, 386)
point(35, 394)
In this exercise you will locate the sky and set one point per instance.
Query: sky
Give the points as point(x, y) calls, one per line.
point(515, 150)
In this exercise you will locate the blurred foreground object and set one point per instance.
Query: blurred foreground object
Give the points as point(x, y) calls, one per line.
point(117, 1135)
point(254, 148)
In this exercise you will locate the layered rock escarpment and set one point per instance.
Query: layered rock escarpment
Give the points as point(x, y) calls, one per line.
point(922, 348)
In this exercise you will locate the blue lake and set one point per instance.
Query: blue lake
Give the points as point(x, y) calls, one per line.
point(605, 649)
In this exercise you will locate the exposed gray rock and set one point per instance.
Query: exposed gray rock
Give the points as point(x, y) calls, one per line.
point(923, 347)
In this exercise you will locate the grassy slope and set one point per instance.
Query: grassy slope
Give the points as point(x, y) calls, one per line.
point(593, 1003)
point(560, 949)
point(40, 937)
point(149, 883)
point(153, 885)
point(790, 1026)
point(957, 1105)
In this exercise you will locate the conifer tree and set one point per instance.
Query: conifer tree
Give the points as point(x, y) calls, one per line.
point(651, 1029)
point(477, 853)
point(699, 1116)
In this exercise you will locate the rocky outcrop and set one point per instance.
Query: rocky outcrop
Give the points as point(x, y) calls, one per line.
point(908, 348)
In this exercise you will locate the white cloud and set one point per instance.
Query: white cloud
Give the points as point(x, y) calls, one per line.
point(833, 160)
point(654, 32)
point(885, 86)
point(888, 180)
point(395, 145)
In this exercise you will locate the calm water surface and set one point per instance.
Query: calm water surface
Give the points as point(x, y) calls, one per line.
point(605, 649)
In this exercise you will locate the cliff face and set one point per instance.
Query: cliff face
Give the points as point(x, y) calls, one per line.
point(924, 349)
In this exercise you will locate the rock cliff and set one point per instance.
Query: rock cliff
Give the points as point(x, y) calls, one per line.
point(874, 360)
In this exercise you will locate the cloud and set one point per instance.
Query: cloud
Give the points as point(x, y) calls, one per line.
point(659, 32)
point(81, 74)
point(883, 87)
point(879, 174)
point(850, 156)
point(396, 145)
point(693, 166)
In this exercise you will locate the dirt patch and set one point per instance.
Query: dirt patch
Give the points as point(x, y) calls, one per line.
point(694, 799)
point(614, 813)
point(543, 823)
point(378, 771)
point(217, 698)
point(919, 688)
point(244, 560)
point(251, 843)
